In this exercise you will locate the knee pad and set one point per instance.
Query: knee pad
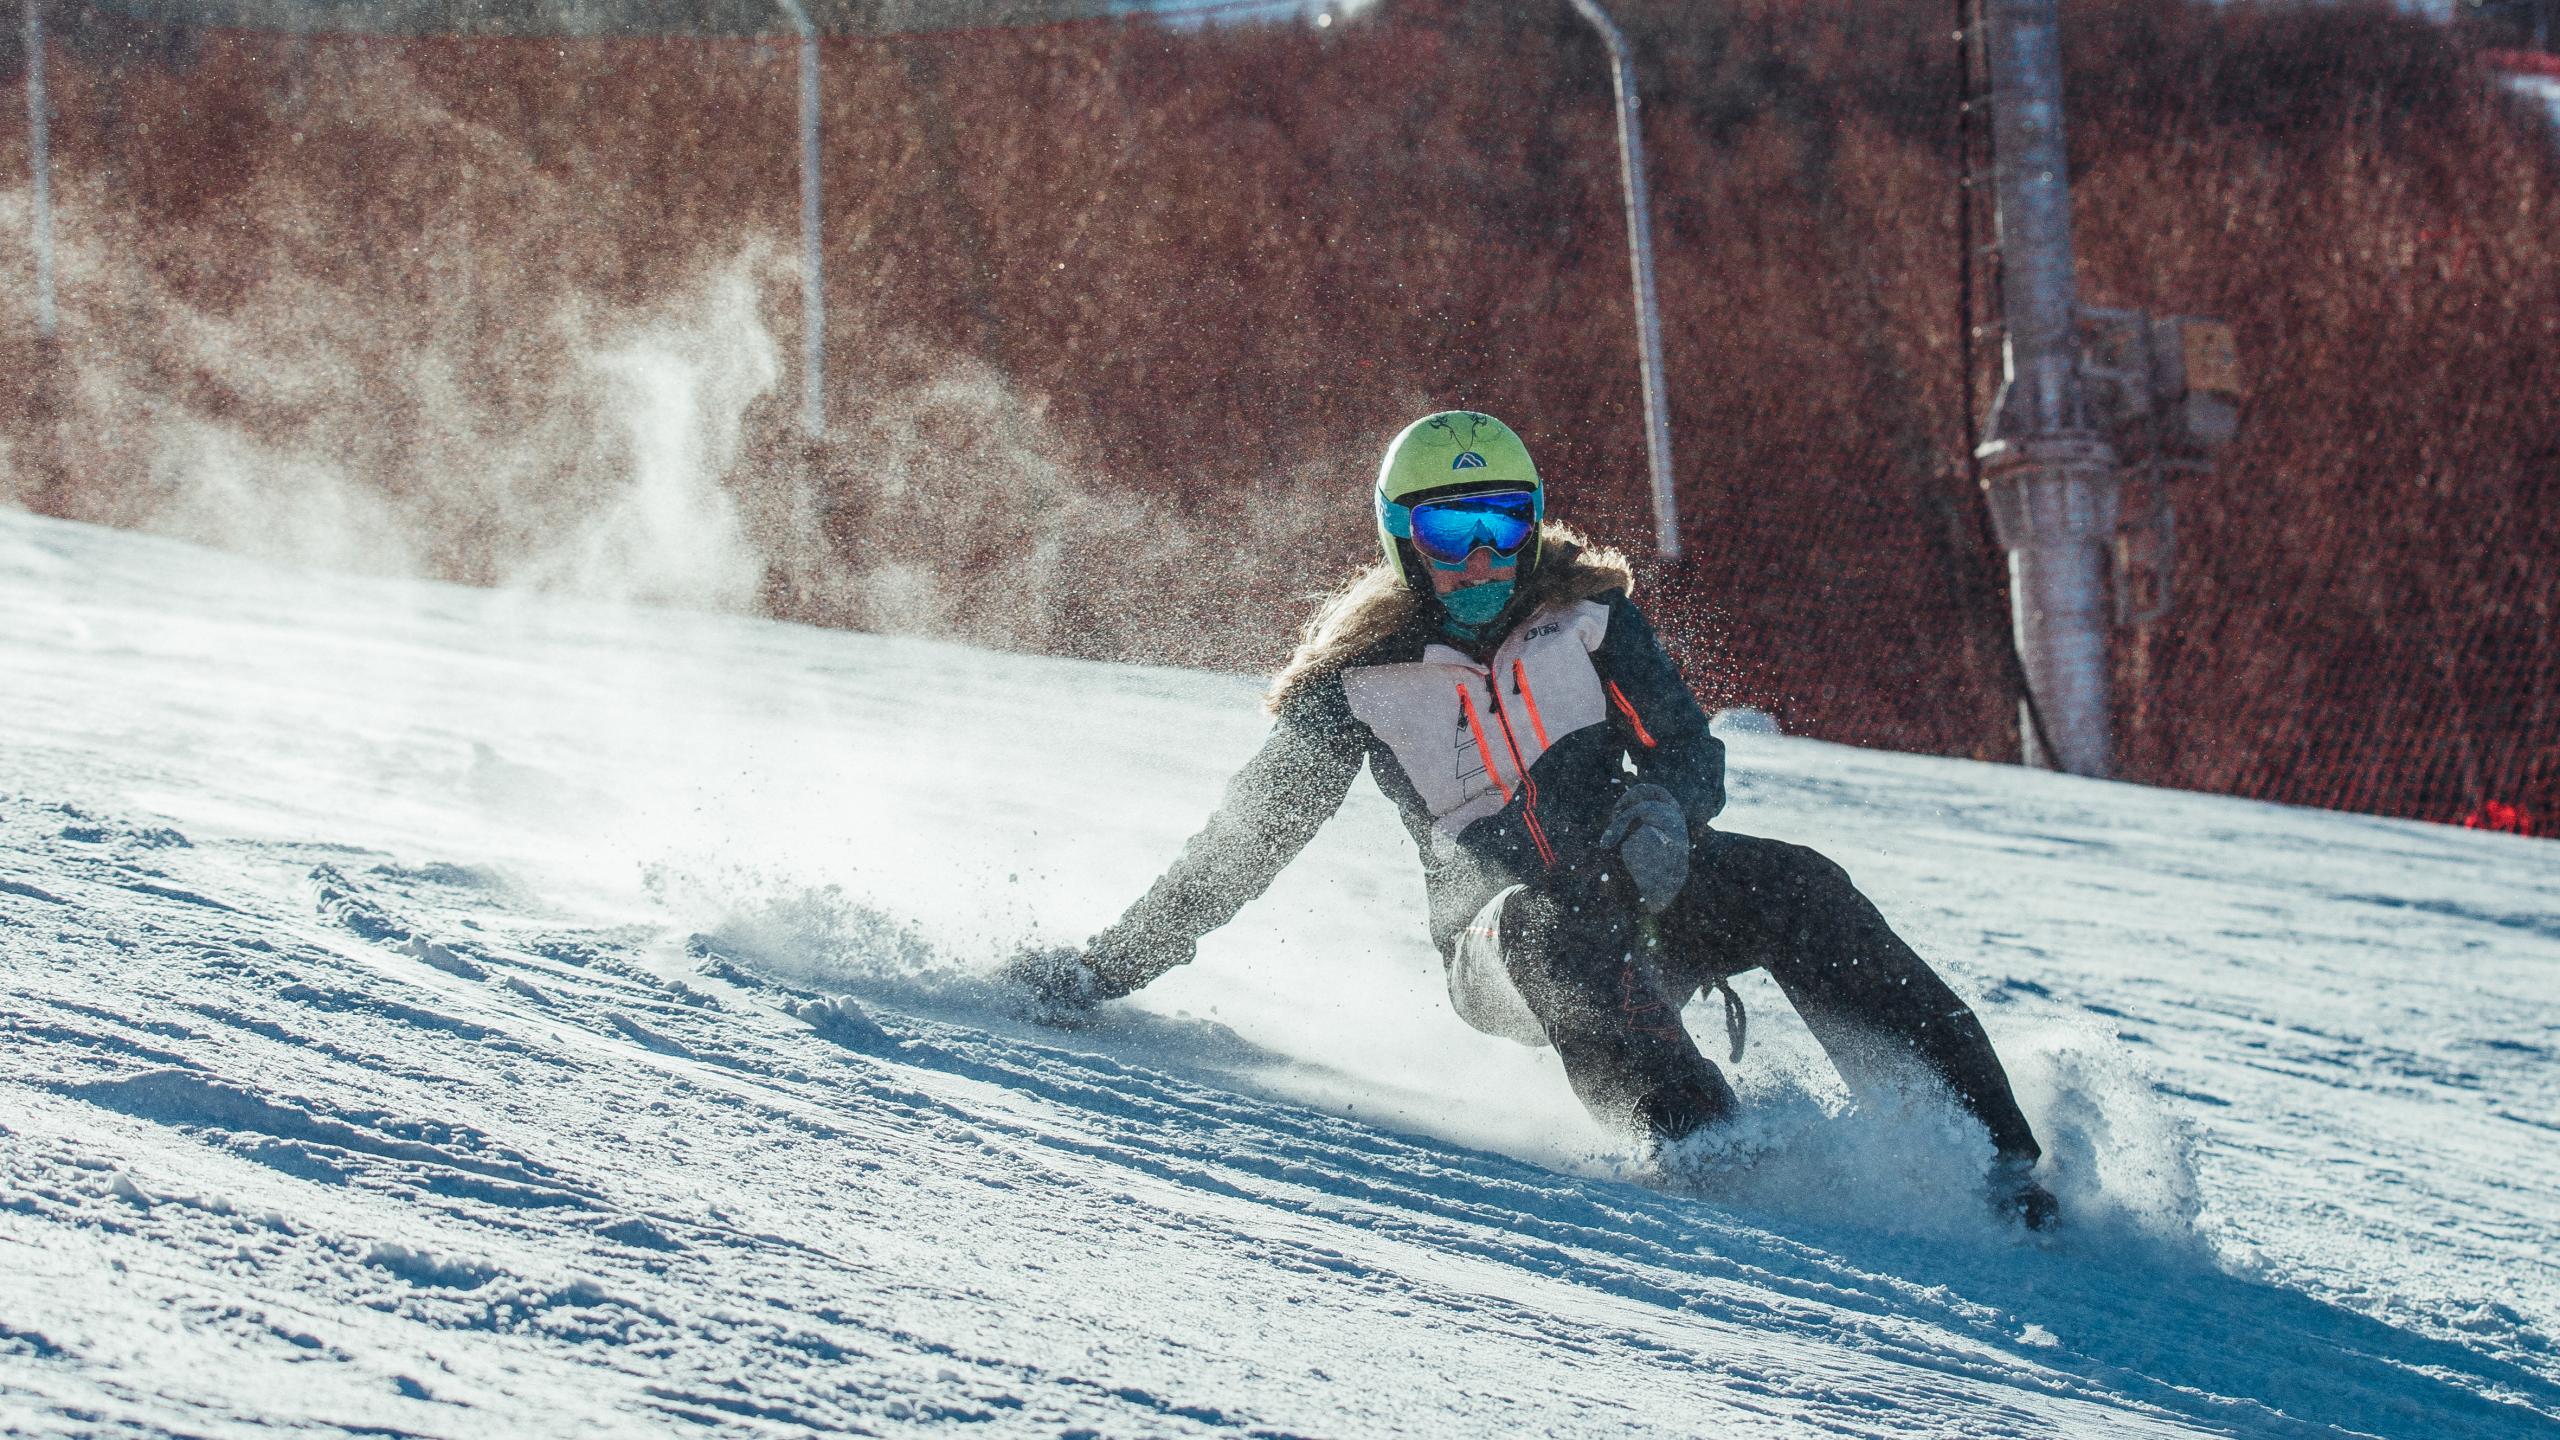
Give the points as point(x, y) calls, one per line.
point(1481, 986)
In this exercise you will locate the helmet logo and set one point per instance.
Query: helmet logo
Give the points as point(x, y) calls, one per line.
point(1468, 457)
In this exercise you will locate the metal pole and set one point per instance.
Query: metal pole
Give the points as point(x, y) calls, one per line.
point(40, 147)
point(1657, 410)
point(813, 273)
point(2052, 480)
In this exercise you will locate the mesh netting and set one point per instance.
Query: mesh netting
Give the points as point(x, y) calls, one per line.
point(1119, 315)
point(597, 18)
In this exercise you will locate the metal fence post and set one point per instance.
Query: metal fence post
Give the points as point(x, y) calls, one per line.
point(39, 134)
point(813, 273)
point(1657, 411)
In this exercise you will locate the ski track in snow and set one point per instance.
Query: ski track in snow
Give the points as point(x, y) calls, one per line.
point(427, 1012)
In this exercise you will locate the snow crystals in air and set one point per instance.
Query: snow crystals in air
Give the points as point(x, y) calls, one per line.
point(437, 1012)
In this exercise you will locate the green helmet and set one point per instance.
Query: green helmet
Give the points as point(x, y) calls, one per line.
point(1455, 452)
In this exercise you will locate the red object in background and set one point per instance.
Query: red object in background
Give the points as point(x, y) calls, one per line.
point(2523, 62)
point(2499, 815)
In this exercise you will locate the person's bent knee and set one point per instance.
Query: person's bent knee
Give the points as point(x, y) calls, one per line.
point(1814, 877)
point(1775, 873)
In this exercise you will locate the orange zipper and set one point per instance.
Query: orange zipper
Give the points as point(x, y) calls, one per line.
point(1484, 751)
point(1520, 686)
point(1528, 807)
point(1643, 736)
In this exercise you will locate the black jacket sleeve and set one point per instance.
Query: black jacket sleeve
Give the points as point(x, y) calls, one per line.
point(1656, 715)
point(1273, 807)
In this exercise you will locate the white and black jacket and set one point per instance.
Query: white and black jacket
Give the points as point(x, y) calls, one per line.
point(1503, 763)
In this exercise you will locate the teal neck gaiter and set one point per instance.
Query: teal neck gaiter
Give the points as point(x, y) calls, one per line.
point(1475, 607)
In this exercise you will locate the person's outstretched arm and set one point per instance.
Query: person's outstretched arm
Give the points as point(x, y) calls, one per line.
point(1657, 717)
point(1273, 807)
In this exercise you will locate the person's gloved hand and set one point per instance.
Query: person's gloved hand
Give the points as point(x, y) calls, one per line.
point(1065, 984)
point(1059, 988)
point(1652, 837)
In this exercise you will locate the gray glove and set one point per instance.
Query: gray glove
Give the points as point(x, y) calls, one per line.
point(1057, 986)
point(1652, 837)
point(1065, 984)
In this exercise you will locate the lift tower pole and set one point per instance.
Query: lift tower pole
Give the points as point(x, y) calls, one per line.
point(1657, 404)
point(2052, 478)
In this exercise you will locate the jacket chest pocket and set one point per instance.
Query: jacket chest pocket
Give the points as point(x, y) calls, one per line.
point(1429, 715)
point(1548, 687)
point(1490, 756)
point(1466, 735)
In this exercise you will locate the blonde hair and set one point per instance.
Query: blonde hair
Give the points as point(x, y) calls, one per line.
point(1375, 603)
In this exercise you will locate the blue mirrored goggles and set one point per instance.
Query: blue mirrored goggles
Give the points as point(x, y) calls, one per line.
point(1450, 530)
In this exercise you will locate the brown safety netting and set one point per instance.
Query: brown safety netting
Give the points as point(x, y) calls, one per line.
point(1119, 316)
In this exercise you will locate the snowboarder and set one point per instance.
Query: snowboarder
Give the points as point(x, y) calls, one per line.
point(1560, 782)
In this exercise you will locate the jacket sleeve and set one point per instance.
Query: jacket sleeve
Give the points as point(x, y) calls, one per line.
point(1656, 715)
point(1273, 807)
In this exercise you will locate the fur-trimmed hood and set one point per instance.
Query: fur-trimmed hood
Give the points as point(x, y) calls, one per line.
point(1376, 604)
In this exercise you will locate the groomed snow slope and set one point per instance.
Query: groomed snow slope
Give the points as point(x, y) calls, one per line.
point(412, 1021)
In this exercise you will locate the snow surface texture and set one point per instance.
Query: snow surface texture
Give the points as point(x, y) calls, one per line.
point(437, 1012)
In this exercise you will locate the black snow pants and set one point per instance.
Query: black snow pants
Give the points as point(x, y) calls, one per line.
point(1611, 1005)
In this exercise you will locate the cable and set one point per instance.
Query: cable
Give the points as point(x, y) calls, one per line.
point(1094, 13)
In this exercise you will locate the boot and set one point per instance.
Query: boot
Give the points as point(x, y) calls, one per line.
point(2016, 1194)
point(1676, 1111)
